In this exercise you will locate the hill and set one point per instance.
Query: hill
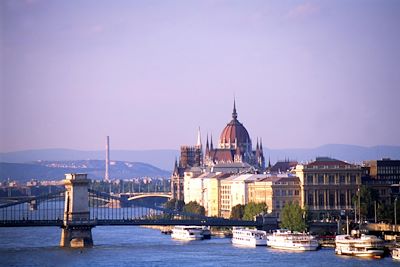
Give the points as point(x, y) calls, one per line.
point(55, 170)
point(163, 158)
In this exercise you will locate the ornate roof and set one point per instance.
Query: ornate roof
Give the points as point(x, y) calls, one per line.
point(234, 131)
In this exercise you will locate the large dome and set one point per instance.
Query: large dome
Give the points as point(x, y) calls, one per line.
point(234, 132)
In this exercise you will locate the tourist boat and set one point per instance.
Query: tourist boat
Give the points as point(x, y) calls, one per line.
point(396, 253)
point(249, 237)
point(363, 246)
point(189, 232)
point(285, 239)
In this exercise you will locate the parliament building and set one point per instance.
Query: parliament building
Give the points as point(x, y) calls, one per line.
point(234, 154)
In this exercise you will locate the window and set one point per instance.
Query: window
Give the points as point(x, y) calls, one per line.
point(310, 179)
point(320, 179)
point(321, 199)
point(342, 200)
point(331, 200)
point(331, 179)
point(278, 192)
point(290, 192)
point(342, 179)
point(283, 192)
point(296, 192)
point(310, 199)
point(352, 179)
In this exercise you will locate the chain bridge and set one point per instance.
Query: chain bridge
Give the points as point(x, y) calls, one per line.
point(77, 209)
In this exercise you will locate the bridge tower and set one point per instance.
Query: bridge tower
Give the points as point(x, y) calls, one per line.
point(77, 228)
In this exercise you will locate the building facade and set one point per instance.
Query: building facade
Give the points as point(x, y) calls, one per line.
point(234, 154)
point(328, 186)
point(384, 177)
point(276, 191)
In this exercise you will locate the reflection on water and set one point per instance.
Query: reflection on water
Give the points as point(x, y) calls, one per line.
point(139, 246)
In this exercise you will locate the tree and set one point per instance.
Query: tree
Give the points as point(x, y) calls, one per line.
point(237, 212)
point(194, 207)
point(293, 217)
point(367, 196)
point(174, 204)
point(252, 209)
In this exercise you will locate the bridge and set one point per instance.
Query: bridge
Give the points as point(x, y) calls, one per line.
point(134, 196)
point(77, 209)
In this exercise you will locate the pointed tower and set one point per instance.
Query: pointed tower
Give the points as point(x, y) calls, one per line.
point(234, 113)
point(260, 156)
point(238, 153)
point(211, 144)
point(207, 148)
point(176, 170)
point(198, 151)
point(257, 150)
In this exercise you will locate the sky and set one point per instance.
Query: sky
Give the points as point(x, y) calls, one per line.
point(149, 73)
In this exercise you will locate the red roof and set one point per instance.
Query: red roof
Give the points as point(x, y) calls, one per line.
point(324, 161)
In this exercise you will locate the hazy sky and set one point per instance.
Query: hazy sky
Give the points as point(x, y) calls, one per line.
point(148, 73)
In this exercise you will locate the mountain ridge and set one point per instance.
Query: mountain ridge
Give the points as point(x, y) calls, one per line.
point(164, 158)
point(55, 170)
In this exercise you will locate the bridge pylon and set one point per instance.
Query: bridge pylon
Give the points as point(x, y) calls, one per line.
point(77, 227)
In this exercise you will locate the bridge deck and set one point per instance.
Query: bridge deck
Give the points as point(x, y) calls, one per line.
point(121, 222)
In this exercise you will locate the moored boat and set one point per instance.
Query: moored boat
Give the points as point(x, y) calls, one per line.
point(249, 237)
point(285, 239)
point(396, 253)
point(187, 232)
point(363, 246)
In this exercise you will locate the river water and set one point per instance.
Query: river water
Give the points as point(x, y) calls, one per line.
point(138, 246)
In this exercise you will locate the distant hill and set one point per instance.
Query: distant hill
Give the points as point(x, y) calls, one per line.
point(164, 159)
point(350, 153)
point(55, 170)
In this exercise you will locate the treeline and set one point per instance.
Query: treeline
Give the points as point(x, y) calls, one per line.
point(191, 207)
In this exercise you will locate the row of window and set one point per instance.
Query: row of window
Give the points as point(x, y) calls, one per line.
point(330, 200)
point(289, 192)
point(320, 179)
point(389, 169)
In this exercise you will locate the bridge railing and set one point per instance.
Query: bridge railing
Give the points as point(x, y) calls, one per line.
point(104, 209)
point(47, 207)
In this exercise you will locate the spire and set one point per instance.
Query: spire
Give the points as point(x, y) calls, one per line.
point(234, 114)
point(269, 162)
point(237, 149)
point(211, 143)
point(257, 146)
point(261, 148)
point(207, 147)
point(198, 138)
point(176, 166)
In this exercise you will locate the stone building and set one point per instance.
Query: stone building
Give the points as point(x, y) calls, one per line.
point(234, 154)
point(276, 191)
point(328, 186)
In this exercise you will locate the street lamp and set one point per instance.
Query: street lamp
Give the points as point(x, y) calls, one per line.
point(359, 204)
point(395, 213)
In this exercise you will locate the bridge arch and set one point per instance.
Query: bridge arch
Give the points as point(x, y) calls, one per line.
point(167, 196)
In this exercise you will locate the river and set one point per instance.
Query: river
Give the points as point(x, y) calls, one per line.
point(139, 246)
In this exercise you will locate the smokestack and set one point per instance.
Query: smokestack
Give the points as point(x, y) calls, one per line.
point(106, 176)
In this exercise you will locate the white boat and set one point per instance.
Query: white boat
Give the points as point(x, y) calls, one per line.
point(249, 237)
point(188, 232)
point(285, 239)
point(396, 253)
point(363, 246)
